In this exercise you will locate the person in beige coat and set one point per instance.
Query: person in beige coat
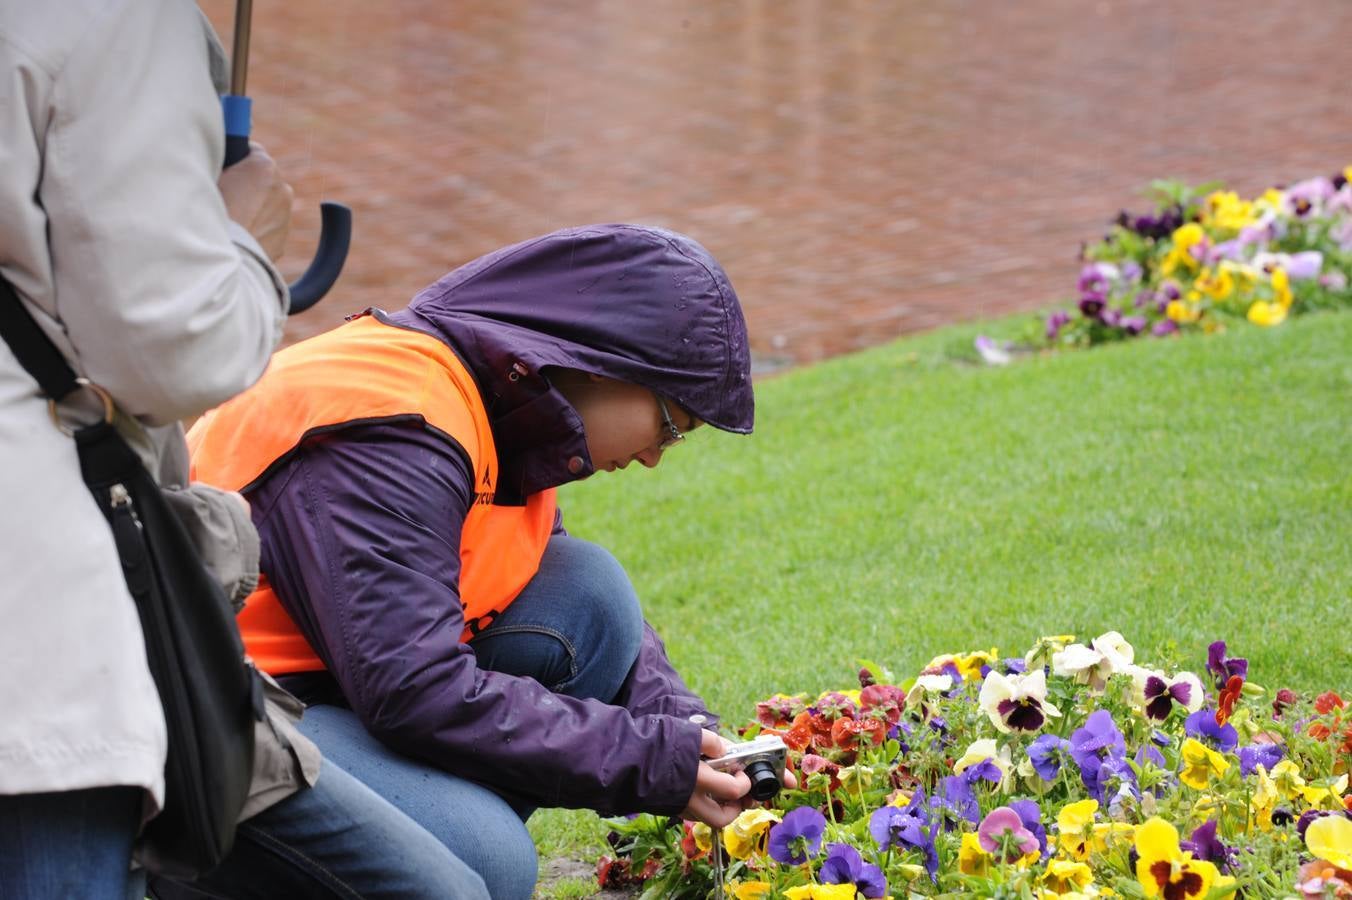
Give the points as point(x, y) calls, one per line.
point(152, 271)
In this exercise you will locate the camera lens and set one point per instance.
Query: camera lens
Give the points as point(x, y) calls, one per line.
point(764, 781)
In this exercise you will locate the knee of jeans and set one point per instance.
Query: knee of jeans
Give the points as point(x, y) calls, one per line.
point(513, 869)
point(611, 598)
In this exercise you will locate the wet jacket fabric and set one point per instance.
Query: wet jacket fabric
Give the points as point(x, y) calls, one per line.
point(387, 373)
point(360, 528)
point(114, 233)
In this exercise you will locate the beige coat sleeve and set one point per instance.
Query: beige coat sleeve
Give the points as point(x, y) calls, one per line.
point(143, 248)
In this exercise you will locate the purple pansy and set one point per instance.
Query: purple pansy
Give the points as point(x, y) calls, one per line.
point(907, 828)
point(1202, 725)
point(1098, 740)
point(1253, 755)
point(1222, 667)
point(797, 837)
point(1055, 322)
point(844, 865)
point(1161, 694)
point(956, 798)
point(1164, 328)
point(1204, 845)
point(1031, 816)
point(1133, 325)
point(1047, 754)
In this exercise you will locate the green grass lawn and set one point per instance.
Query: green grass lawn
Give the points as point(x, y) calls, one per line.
point(900, 503)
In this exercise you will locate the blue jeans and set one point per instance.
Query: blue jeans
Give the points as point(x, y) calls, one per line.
point(69, 844)
point(336, 840)
point(576, 628)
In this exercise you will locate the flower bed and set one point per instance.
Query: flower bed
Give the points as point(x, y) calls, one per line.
point(1071, 771)
point(1202, 259)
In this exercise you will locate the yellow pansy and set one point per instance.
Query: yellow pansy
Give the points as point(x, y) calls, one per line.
point(751, 890)
point(972, 857)
point(1330, 839)
point(1226, 210)
point(1162, 868)
point(1185, 236)
point(1286, 774)
point(856, 778)
point(747, 832)
point(1182, 312)
point(969, 664)
point(1271, 199)
point(1316, 794)
point(1104, 836)
point(1075, 827)
point(703, 835)
point(1347, 173)
point(1281, 287)
point(1216, 284)
point(1065, 875)
point(1200, 764)
point(822, 892)
point(1263, 801)
point(1266, 314)
point(910, 870)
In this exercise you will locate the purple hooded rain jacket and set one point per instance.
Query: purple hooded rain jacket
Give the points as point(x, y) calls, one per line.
point(361, 527)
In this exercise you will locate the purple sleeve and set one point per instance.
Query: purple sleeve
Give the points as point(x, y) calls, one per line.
point(360, 540)
point(654, 687)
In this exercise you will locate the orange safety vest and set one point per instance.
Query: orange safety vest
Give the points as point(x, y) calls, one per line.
point(362, 372)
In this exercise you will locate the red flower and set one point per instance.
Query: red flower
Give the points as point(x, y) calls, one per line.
point(799, 735)
point(1327, 702)
point(1229, 696)
point(1284, 700)
point(688, 845)
point(851, 734)
point(883, 700)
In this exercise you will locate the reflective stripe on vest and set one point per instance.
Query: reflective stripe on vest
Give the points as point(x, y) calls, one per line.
point(361, 372)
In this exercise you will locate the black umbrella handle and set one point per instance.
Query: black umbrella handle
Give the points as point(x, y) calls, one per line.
point(335, 236)
point(335, 219)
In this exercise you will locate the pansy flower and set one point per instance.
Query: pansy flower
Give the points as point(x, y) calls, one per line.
point(751, 890)
point(779, 711)
point(1106, 655)
point(882, 701)
point(1016, 702)
point(1254, 755)
point(1064, 876)
point(1047, 754)
point(1157, 694)
point(747, 832)
point(1164, 869)
point(1228, 697)
point(972, 857)
point(1098, 740)
point(1204, 844)
point(1031, 816)
point(821, 892)
point(1201, 764)
point(1330, 838)
point(1003, 835)
point(798, 837)
point(844, 865)
point(907, 828)
point(1203, 726)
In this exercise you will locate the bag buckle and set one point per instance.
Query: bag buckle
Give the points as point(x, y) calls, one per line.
point(109, 408)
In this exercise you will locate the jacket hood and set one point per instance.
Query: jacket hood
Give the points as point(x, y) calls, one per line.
point(629, 302)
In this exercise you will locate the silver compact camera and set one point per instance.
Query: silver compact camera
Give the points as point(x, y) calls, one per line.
point(761, 759)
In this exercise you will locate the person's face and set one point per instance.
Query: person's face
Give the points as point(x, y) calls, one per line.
point(623, 422)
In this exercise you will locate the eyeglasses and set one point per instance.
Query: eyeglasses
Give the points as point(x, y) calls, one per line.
point(674, 435)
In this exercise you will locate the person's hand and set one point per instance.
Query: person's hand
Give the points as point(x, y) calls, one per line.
point(258, 198)
point(717, 798)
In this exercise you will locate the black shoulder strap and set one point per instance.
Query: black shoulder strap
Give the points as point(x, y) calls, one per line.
point(35, 351)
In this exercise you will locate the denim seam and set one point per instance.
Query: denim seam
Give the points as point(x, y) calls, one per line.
point(283, 849)
point(557, 635)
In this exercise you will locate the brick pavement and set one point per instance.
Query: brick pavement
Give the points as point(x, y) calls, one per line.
point(862, 169)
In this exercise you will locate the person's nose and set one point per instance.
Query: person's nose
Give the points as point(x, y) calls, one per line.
point(650, 457)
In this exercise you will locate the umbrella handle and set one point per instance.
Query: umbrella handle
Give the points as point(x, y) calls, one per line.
point(335, 219)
